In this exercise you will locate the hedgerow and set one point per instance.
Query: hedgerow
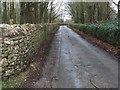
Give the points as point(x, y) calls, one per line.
point(108, 32)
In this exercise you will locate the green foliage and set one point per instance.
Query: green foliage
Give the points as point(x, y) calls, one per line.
point(108, 32)
point(14, 81)
point(11, 21)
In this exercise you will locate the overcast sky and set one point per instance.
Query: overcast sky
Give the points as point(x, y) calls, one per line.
point(65, 15)
point(113, 5)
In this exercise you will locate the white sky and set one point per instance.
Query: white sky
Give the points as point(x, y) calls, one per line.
point(65, 15)
point(113, 5)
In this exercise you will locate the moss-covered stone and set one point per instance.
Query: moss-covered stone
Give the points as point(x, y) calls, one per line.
point(19, 44)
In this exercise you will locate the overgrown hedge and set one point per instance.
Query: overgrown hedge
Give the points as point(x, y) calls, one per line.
point(108, 32)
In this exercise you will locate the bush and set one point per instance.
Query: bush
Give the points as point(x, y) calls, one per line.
point(108, 32)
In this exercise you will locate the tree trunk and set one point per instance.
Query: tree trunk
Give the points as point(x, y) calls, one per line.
point(82, 13)
point(17, 10)
point(0, 12)
point(119, 9)
point(4, 16)
point(12, 18)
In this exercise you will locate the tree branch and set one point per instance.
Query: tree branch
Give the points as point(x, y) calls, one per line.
point(115, 3)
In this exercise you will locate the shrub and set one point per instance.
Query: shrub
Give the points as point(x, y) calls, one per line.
point(108, 32)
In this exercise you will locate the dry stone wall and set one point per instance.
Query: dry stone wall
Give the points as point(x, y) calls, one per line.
point(18, 45)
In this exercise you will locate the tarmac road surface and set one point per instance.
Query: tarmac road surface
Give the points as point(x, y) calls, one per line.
point(75, 63)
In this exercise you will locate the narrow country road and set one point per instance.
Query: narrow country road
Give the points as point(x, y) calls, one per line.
point(75, 63)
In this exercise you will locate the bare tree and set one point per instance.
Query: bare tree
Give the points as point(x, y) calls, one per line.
point(84, 12)
point(118, 7)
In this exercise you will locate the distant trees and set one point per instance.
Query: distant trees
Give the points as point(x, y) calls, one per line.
point(28, 12)
point(85, 12)
point(7, 12)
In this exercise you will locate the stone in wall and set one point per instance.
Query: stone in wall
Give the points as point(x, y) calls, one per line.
point(19, 44)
